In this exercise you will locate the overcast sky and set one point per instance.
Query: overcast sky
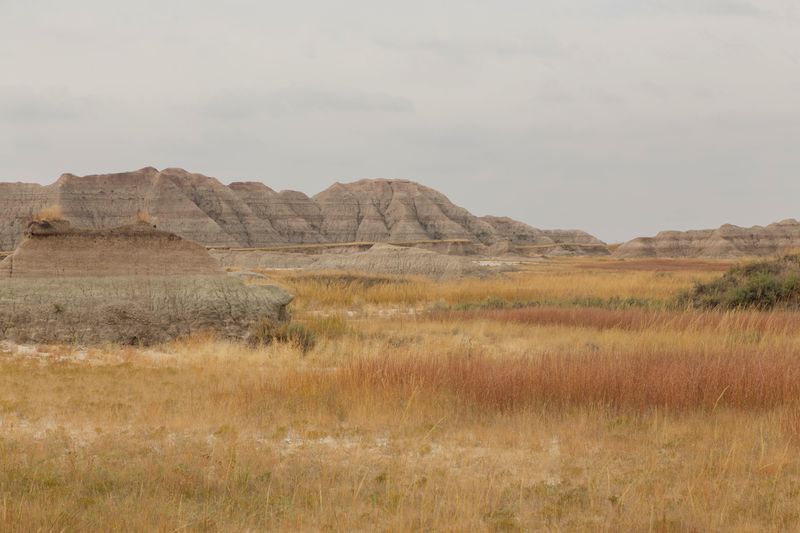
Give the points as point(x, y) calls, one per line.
point(620, 117)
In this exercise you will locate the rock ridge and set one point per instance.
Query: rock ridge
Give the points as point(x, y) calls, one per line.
point(727, 241)
point(250, 214)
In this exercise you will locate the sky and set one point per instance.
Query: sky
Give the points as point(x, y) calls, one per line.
point(618, 117)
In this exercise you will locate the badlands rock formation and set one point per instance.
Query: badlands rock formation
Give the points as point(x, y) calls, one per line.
point(726, 242)
point(132, 285)
point(396, 211)
point(201, 209)
point(520, 233)
point(521, 239)
point(55, 249)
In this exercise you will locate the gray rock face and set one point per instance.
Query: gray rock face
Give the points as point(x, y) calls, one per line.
point(572, 236)
point(522, 239)
point(395, 211)
point(250, 215)
point(728, 241)
point(293, 216)
point(517, 232)
point(19, 202)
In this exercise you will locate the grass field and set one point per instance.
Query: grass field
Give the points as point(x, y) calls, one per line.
point(570, 396)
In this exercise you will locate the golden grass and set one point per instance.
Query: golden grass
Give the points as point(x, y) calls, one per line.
point(570, 419)
point(143, 216)
point(556, 283)
point(53, 212)
point(769, 322)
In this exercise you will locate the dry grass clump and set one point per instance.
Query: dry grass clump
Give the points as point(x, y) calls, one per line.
point(143, 216)
point(267, 331)
point(53, 212)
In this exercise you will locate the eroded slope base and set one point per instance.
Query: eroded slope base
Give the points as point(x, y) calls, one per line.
point(133, 310)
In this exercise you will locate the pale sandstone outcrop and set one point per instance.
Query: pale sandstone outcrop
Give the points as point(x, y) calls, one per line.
point(728, 241)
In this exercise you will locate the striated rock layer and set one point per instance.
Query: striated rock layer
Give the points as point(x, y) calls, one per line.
point(521, 239)
point(53, 249)
point(728, 241)
point(132, 285)
point(250, 214)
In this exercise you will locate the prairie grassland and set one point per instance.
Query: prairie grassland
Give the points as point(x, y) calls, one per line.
point(560, 282)
point(466, 420)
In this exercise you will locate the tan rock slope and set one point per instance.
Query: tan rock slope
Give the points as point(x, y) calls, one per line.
point(201, 209)
point(520, 238)
point(134, 285)
point(19, 202)
point(55, 249)
point(396, 211)
point(728, 241)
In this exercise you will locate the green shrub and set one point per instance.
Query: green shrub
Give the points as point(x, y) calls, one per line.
point(760, 285)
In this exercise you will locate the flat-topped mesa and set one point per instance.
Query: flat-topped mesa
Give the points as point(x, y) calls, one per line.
point(728, 241)
point(54, 249)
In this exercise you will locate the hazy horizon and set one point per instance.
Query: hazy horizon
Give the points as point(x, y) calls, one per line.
point(473, 211)
point(618, 117)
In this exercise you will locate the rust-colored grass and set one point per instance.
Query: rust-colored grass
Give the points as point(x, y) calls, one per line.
point(744, 379)
point(772, 322)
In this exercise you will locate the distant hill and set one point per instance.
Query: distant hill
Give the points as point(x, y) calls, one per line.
point(250, 214)
point(727, 241)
